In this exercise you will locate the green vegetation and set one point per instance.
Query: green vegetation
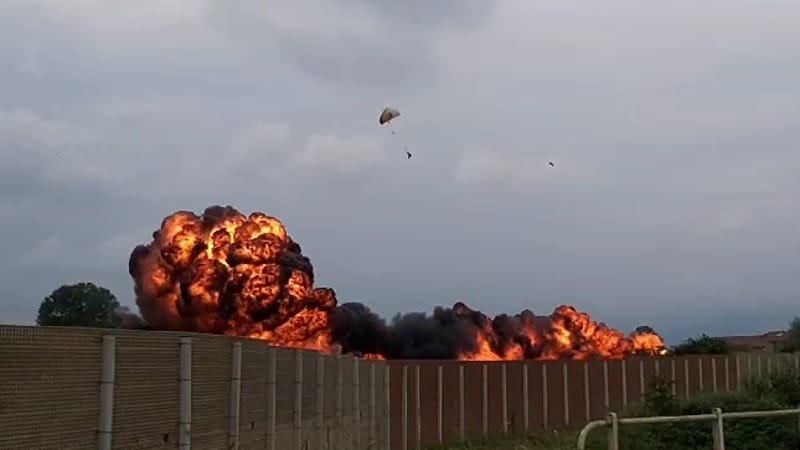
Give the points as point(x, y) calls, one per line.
point(79, 305)
point(701, 345)
point(793, 336)
point(779, 390)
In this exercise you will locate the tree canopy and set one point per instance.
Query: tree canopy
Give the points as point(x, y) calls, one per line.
point(645, 329)
point(82, 304)
point(701, 345)
point(793, 336)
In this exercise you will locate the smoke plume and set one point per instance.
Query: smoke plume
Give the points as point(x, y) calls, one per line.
point(226, 273)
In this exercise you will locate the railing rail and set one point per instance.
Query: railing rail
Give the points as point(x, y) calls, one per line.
point(717, 417)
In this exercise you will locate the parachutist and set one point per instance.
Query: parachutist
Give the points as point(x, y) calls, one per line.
point(387, 115)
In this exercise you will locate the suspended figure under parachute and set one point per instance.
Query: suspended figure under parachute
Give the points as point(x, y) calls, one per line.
point(387, 115)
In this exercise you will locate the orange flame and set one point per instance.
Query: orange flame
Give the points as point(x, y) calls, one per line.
point(226, 273)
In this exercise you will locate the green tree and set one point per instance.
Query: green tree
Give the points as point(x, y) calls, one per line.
point(793, 335)
point(82, 305)
point(701, 345)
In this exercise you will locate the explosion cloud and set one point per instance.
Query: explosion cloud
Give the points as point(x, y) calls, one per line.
point(226, 273)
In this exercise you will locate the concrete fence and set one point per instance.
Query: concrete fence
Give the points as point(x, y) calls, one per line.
point(63, 388)
point(445, 401)
point(68, 388)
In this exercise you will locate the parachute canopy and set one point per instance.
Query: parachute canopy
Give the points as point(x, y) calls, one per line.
point(387, 115)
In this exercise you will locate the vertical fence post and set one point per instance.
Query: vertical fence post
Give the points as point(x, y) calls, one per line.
point(738, 364)
point(504, 393)
point(439, 403)
point(356, 404)
point(339, 405)
point(272, 373)
point(373, 422)
point(297, 416)
point(485, 400)
point(185, 412)
point(461, 430)
point(624, 382)
point(686, 376)
point(717, 431)
point(606, 396)
point(236, 396)
point(727, 374)
point(545, 407)
point(404, 409)
point(109, 355)
point(565, 390)
point(320, 404)
point(641, 379)
point(417, 407)
point(388, 400)
point(759, 368)
point(586, 395)
point(673, 376)
point(700, 374)
point(713, 374)
point(525, 398)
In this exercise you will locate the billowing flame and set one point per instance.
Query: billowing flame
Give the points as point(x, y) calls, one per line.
point(565, 333)
point(227, 273)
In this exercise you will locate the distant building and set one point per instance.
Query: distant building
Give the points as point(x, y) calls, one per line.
point(771, 341)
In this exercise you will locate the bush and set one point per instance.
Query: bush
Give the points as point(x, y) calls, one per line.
point(779, 391)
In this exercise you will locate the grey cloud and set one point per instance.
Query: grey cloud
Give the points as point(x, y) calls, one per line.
point(674, 195)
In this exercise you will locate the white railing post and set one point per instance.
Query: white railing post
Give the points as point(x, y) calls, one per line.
point(109, 356)
point(185, 409)
point(718, 432)
point(716, 418)
point(613, 431)
point(236, 396)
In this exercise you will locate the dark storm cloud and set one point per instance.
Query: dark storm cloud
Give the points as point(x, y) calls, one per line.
point(674, 132)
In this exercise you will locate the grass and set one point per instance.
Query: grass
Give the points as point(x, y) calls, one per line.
point(545, 440)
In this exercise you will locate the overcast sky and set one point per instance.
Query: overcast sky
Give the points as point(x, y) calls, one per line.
point(674, 128)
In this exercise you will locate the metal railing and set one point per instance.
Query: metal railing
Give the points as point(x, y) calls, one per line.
point(716, 418)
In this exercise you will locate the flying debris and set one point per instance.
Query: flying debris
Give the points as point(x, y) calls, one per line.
point(408, 153)
point(387, 115)
point(551, 164)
